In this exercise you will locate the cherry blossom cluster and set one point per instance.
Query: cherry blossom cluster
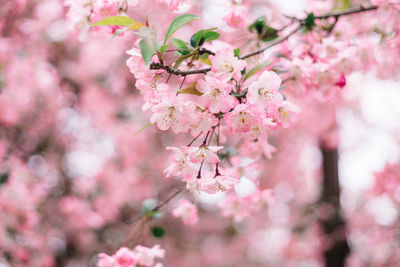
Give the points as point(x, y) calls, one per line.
point(139, 256)
point(223, 105)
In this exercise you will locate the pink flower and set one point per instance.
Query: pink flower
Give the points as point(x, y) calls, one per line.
point(215, 94)
point(125, 257)
point(234, 206)
point(105, 260)
point(202, 122)
point(265, 91)
point(180, 165)
point(261, 199)
point(146, 256)
point(234, 18)
point(187, 211)
point(220, 183)
point(241, 118)
point(202, 153)
point(169, 115)
point(287, 113)
point(225, 65)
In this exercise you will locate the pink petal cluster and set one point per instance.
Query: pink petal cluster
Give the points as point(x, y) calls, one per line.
point(187, 212)
point(139, 256)
point(241, 208)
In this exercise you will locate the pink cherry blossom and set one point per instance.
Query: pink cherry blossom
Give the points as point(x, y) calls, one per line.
point(146, 256)
point(235, 18)
point(203, 153)
point(265, 91)
point(187, 211)
point(219, 183)
point(226, 66)
point(215, 94)
point(181, 164)
point(125, 257)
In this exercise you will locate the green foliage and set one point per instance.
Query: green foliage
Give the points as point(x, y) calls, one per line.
point(205, 35)
point(163, 48)
point(157, 231)
point(4, 178)
point(310, 21)
point(254, 70)
point(181, 46)
point(236, 52)
point(178, 23)
point(265, 33)
point(147, 51)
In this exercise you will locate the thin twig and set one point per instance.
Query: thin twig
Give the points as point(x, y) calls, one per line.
point(333, 25)
point(194, 139)
point(168, 199)
point(335, 14)
point(346, 12)
point(159, 206)
point(274, 43)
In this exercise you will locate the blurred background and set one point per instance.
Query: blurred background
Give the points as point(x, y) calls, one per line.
point(74, 174)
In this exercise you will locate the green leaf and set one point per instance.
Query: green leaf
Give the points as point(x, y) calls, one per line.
point(144, 127)
point(236, 52)
point(178, 23)
point(205, 35)
point(193, 41)
point(254, 70)
point(4, 178)
point(258, 25)
point(310, 21)
point(181, 46)
point(264, 32)
point(147, 52)
point(157, 231)
point(163, 48)
point(269, 34)
point(115, 21)
point(210, 36)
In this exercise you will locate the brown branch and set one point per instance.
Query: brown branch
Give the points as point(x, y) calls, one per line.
point(168, 199)
point(277, 41)
point(346, 12)
point(170, 70)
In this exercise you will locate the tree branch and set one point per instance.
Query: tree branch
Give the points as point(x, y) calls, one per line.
point(336, 14)
point(346, 12)
point(170, 70)
point(277, 41)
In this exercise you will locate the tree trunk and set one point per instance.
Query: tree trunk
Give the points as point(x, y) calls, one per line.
point(334, 224)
